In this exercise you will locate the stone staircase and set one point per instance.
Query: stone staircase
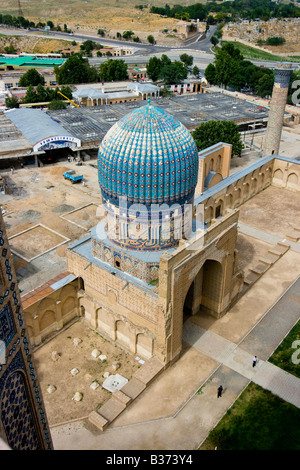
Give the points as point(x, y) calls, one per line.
point(265, 263)
point(294, 235)
point(121, 399)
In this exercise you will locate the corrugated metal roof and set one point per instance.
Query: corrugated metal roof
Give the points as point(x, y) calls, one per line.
point(35, 124)
point(31, 61)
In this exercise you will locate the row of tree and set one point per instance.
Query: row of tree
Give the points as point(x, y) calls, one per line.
point(41, 94)
point(231, 70)
point(230, 10)
point(21, 22)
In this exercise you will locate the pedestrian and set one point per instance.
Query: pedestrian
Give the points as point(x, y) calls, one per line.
point(254, 361)
point(220, 390)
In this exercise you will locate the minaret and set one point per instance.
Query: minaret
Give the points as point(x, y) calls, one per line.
point(277, 109)
point(23, 420)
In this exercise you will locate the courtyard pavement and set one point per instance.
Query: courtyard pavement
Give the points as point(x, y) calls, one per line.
point(171, 415)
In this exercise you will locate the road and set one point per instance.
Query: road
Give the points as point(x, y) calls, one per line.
point(199, 48)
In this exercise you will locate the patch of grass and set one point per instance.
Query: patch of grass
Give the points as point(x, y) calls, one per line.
point(286, 356)
point(251, 53)
point(258, 420)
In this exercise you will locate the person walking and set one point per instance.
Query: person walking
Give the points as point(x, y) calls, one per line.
point(220, 390)
point(254, 361)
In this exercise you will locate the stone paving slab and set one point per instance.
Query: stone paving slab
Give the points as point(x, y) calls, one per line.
point(275, 325)
point(279, 382)
point(209, 343)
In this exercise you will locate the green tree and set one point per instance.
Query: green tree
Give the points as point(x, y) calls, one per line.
point(101, 32)
point(210, 74)
point(214, 40)
point(211, 132)
point(275, 41)
point(113, 70)
point(12, 102)
point(76, 69)
point(265, 85)
point(153, 68)
point(151, 39)
point(31, 77)
point(195, 71)
point(187, 59)
point(10, 49)
point(41, 94)
point(174, 72)
point(56, 104)
point(127, 34)
point(31, 95)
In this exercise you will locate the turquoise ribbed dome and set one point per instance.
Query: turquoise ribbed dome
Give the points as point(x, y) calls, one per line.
point(149, 157)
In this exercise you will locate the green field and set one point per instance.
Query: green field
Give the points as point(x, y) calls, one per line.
point(258, 420)
point(283, 356)
point(256, 54)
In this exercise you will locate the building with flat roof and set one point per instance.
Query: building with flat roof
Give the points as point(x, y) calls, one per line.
point(17, 62)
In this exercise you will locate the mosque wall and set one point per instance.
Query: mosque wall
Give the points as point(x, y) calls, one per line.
point(235, 194)
point(124, 312)
point(214, 159)
point(51, 313)
point(23, 420)
point(286, 175)
point(200, 274)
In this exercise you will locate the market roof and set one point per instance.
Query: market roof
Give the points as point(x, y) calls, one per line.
point(30, 61)
point(37, 127)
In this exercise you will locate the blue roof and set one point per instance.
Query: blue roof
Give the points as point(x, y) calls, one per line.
point(149, 157)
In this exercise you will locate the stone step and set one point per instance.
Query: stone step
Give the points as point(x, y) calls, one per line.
point(269, 258)
point(111, 409)
point(149, 371)
point(120, 396)
point(260, 268)
point(279, 249)
point(294, 235)
point(251, 277)
point(133, 388)
point(99, 421)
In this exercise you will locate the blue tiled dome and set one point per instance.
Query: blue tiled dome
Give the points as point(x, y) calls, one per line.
point(149, 157)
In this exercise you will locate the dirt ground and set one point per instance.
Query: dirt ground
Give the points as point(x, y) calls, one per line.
point(60, 407)
point(250, 250)
point(42, 196)
point(280, 209)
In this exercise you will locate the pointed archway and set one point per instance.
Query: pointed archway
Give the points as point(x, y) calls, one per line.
point(205, 291)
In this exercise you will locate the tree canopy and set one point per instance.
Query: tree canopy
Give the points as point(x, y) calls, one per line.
point(76, 69)
point(31, 77)
point(211, 132)
point(166, 70)
point(113, 70)
point(41, 94)
point(230, 69)
point(230, 10)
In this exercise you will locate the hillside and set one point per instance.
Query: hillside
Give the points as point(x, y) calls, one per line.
point(90, 15)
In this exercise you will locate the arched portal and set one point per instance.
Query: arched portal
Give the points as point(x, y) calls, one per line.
point(205, 292)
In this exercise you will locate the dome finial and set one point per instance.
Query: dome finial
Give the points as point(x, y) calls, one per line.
point(149, 100)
